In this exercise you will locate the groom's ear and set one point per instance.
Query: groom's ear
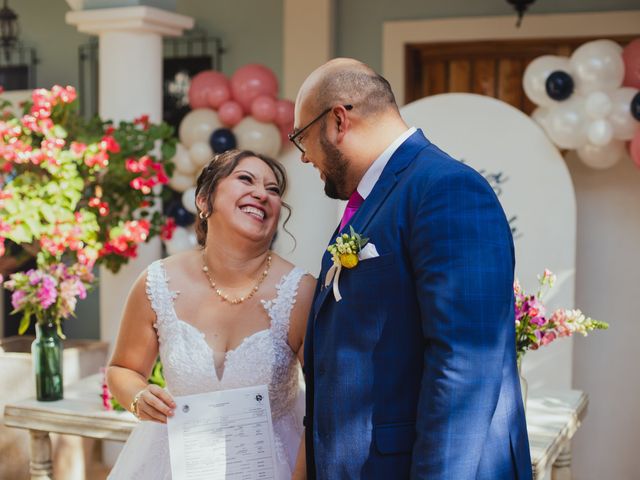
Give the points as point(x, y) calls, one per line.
point(342, 121)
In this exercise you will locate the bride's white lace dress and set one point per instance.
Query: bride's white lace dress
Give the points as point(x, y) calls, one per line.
point(188, 366)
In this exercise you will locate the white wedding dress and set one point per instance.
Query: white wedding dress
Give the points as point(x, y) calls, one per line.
point(263, 358)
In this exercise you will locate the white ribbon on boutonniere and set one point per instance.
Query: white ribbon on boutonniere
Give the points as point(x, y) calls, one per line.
point(347, 252)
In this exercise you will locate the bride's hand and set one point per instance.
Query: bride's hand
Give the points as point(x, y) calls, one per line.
point(154, 403)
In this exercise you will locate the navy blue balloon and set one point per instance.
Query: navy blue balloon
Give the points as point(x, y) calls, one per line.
point(222, 140)
point(559, 85)
point(635, 106)
point(182, 216)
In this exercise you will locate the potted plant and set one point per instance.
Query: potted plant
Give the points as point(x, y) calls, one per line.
point(74, 194)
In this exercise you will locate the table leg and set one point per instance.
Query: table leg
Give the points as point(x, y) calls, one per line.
point(562, 466)
point(41, 467)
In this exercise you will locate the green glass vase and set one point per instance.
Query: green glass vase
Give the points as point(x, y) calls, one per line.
point(46, 353)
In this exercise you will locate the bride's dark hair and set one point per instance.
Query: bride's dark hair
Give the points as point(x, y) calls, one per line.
point(221, 167)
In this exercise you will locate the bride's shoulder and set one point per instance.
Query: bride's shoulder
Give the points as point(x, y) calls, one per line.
point(285, 267)
point(183, 262)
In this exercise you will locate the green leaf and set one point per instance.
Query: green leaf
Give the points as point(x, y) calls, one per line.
point(20, 234)
point(59, 131)
point(24, 323)
point(33, 222)
point(48, 213)
point(59, 330)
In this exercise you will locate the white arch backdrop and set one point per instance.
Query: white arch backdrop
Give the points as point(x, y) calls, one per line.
point(534, 188)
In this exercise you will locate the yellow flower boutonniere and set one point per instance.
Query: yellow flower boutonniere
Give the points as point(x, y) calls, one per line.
point(345, 254)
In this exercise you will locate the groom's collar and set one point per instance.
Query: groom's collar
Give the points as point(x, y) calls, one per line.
point(374, 171)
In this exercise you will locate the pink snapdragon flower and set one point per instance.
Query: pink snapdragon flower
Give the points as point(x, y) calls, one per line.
point(47, 293)
point(17, 299)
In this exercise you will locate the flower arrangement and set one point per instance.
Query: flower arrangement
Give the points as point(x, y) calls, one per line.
point(50, 294)
point(534, 328)
point(75, 192)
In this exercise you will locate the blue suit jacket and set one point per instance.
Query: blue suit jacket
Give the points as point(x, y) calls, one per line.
point(413, 373)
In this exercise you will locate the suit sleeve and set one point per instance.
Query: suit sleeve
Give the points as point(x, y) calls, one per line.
point(462, 255)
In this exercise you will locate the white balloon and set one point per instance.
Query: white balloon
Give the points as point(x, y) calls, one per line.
point(182, 161)
point(597, 105)
point(598, 65)
point(180, 182)
point(541, 116)
point(536, 74)
point(599, 132)
point(189, 200)
point(198, 125)
point(200, 154)
point(257, 136)
point(566, 124)
point(602, 157)
point(180, 241)
point(623, 123)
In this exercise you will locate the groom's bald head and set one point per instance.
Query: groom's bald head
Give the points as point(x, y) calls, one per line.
point(347, 81)
point(345, 117)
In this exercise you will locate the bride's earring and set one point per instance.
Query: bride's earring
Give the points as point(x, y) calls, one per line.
point(202, 215)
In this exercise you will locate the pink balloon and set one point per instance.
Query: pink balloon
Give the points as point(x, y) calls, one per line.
point(284, 112)
point(218, 95)
point(263, 109)
point(252, 81)
point(634, 149)
point(230, 113)
point(209, 89)
point(631, 58)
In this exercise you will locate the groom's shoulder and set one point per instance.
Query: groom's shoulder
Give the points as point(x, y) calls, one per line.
point(433, 164)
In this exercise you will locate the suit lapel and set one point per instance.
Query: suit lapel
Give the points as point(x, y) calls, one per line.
point(401, 158)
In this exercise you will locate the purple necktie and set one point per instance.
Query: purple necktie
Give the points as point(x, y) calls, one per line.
point(355, 200)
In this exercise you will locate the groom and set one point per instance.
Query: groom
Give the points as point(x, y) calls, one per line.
point(412, 374)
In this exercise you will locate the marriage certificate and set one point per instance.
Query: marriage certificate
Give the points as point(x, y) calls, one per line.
point(222, 435)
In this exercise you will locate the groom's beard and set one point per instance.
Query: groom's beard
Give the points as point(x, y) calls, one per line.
point(335, 171)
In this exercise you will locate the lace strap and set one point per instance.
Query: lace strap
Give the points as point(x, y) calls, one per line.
point(158, 292)
point(279, 309)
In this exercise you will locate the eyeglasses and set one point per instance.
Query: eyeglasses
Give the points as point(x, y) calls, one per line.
point(294, 137)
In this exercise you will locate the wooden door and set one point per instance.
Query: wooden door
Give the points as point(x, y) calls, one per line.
point(492, 68)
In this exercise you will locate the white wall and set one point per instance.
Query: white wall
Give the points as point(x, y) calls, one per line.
point(605, 364)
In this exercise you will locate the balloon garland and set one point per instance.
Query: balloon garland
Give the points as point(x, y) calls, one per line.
point(238, 112)
point(590, 102)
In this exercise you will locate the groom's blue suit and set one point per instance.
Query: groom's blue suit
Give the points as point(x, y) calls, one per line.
point(413, 373)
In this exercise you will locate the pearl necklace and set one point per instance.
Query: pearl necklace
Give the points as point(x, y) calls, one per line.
point(223, 296)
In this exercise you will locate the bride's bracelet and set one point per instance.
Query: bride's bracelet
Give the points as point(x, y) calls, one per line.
point(133, 407)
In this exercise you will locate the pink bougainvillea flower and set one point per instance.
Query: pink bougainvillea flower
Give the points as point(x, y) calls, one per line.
point(166, 233)
point(143, 121)
point(109, 144)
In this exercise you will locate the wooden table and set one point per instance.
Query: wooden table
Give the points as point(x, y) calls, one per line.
point(552, 419)
point(79, 413)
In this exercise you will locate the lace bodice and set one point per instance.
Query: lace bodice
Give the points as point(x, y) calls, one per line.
point(263, 358)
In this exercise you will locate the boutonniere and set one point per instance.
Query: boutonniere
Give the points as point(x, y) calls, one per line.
point(347, 252)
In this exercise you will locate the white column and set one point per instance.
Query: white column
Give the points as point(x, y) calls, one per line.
point(314, 215)
point(130, 85)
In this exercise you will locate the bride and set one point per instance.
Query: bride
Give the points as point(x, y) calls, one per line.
point(231, 314)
